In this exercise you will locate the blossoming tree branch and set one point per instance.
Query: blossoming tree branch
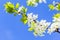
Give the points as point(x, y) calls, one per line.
point(37, 27)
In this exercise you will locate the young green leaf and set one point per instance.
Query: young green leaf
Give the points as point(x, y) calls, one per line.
point(30, 29)
point(9, 7)
point(30, 3)
point(15, 14)
point(56, 15)
point(24, 18)
point(17, 5)
point(24, 10)
point(58, 7)
point(37, 1)
point(51, 6)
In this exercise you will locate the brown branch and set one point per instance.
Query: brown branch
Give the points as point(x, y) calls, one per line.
point(57, 30)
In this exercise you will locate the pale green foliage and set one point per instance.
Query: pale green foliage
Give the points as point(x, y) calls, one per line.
point(51, 6)
point(54, 7)
point(32, 2)
point(37, 27)
point(56, 15)
point(24, 10)
point(58, 6)
point(9, 7)
point(24, 18)
point(17, 5)
point(37, 1)
point(32, 26)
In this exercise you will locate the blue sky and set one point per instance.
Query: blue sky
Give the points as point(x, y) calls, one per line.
point(11, 28)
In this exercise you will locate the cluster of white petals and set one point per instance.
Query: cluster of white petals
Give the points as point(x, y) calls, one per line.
point(22, 9)
point(54, 25)
point(39, 27)
point(32, 3)
point(31, 18)
point(35, 2)
point(55, 4)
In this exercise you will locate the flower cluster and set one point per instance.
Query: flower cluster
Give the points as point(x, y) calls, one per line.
point(22, 9)
point(55, 24)
point(55, 6)
point(31, 18)
point(37, 27)
point(10, 8)
point(34, 2)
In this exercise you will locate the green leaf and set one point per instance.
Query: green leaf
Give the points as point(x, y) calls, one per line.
point(37, 1)
point(25, 21)
point(30, 3)
point(33, 24)
point(9, 4)
point(9, 7)
point(9, 10)
point(24, 18)
point(17, 5)
point(56, 15)
point(51, 6)
point(58, 6)
point(30, 29)
point(24, 15)
point(24, 10)
point(15, 14)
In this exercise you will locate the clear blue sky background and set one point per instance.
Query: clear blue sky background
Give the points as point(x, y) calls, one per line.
point(11, 28)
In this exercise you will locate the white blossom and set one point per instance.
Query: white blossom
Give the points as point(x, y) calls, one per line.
point(54, 25)
point(29, 2)
point(40, 27)
point(36, 4)
point(56, 20)
point(31, 17)
point(54, 3)
point(40, 1)
point(20, 8)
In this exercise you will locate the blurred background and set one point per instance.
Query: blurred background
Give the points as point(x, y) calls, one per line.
point(11, 28)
